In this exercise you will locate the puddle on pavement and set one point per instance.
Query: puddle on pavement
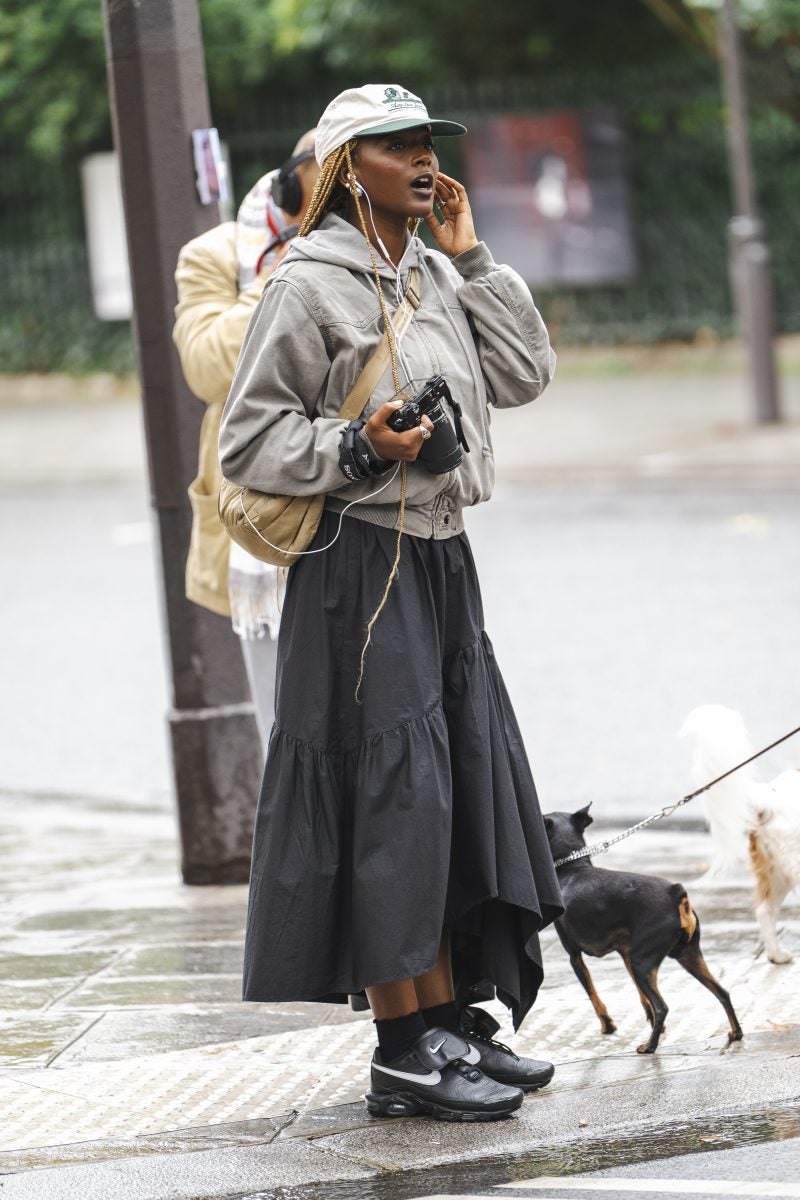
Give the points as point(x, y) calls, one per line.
point(32, 1043)
point(643, 1145)
point(190, 923)
point(221, 958)
point(154, 992)
point(14, 967)
point(91, 919)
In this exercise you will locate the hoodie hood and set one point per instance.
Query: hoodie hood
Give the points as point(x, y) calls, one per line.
point(336, 242)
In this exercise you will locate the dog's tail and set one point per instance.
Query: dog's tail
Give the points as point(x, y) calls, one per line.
point(687, 917)
point(689, 922)
point(721, 741)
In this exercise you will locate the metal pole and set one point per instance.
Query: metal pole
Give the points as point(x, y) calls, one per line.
point(748, 249)
point(158, 90)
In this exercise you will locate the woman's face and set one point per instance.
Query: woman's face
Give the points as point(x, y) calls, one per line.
point(398, 171)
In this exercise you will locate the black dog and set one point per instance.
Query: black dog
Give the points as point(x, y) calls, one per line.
point(643, 917)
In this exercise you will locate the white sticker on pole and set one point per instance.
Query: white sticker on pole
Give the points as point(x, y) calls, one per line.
point(211, 170)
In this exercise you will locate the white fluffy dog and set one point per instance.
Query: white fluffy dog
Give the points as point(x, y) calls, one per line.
point(755, 825)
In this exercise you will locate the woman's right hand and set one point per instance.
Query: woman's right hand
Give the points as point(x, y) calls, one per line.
point(387, 443)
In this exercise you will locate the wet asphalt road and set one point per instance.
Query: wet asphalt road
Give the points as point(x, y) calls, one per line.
point(614, 610)
point(735, 1156)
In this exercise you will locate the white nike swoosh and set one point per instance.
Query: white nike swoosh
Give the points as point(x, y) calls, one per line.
point(429, 1080)
point(473, 1057)
point(438, 1046)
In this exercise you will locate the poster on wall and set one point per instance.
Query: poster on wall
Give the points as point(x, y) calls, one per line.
point(550, 196)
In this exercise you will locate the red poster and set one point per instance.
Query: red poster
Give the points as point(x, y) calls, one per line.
point(550, 197)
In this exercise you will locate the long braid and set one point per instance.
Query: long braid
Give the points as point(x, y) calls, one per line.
point(387, 324)
point(320, 200)
point(390, 335)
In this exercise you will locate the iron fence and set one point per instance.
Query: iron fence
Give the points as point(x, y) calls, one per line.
point(679, 196)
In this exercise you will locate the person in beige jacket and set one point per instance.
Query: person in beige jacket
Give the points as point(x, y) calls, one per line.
point(220, 277)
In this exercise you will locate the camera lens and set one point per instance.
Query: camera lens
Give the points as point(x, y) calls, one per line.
point(441, 452)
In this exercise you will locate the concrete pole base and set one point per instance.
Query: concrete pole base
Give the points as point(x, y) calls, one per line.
point(217, 777)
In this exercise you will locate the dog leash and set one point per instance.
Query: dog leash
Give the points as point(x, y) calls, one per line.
point(668, 810)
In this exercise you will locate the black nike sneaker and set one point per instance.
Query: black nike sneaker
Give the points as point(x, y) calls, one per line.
point(434, 1077)
point(477, 1027)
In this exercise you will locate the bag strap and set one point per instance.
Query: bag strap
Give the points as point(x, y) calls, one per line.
point(369, 378)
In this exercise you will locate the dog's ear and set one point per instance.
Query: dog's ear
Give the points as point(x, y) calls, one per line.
point(581, 818)
point(548, 825)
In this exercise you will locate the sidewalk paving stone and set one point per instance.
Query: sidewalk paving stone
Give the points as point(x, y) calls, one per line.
point(141, 1037)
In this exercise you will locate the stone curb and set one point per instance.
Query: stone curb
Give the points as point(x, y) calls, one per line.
point(655, 1097)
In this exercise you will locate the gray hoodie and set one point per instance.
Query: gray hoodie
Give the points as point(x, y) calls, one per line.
point(316, 325)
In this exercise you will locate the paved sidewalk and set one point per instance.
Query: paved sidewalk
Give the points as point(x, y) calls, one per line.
point(130, 1068)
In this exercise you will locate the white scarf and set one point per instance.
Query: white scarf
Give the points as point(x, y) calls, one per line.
point(254, 587)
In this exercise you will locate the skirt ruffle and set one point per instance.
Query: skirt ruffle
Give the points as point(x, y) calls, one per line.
point(382, 824)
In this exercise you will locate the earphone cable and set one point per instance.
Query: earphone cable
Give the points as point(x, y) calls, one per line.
point(396, 267)
point(300, 553)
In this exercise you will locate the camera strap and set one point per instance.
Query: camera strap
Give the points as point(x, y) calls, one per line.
point(456, 407)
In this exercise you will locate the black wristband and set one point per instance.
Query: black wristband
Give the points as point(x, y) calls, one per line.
point(355, 460)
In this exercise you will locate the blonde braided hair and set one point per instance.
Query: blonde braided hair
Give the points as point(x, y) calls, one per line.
point(319, 204)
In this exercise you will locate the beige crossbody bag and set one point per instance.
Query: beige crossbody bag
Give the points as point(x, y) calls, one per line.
point(276, 529)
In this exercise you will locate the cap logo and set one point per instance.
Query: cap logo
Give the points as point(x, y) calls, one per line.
point(397, 98)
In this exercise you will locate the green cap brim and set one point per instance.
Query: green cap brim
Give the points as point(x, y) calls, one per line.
point(438, 128)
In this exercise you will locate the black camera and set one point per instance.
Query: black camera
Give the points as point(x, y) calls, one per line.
point(442, 450)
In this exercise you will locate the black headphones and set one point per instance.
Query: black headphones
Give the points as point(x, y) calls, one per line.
point(287, 190)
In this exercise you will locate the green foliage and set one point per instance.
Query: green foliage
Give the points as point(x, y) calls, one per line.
point(76, 343)
point(273, 64)
point(239, 39)
point(265, 53)
point(774, 27)
point(461, 41)
point(771, 37)
point(52, 75)
point(772, 21)
point(52, 69)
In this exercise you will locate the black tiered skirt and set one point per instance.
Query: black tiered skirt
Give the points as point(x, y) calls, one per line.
point(382, 823)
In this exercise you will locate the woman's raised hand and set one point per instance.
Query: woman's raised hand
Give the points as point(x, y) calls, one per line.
point(457, 234)
point(386, 442)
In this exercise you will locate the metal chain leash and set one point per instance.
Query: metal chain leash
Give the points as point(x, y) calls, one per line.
point(668, 810)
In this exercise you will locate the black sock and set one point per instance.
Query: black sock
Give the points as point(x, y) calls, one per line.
point(398, 1035)
point(445, 1016)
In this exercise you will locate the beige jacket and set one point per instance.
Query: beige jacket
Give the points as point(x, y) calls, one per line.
point(211, 320)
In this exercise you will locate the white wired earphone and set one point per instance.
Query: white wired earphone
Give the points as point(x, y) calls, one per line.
point(319, 550)
point(396, 267)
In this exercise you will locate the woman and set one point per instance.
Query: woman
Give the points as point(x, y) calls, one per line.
point(219, 278)
point(398, 839)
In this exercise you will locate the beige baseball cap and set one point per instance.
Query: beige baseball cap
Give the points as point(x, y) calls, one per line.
point(374, 108)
